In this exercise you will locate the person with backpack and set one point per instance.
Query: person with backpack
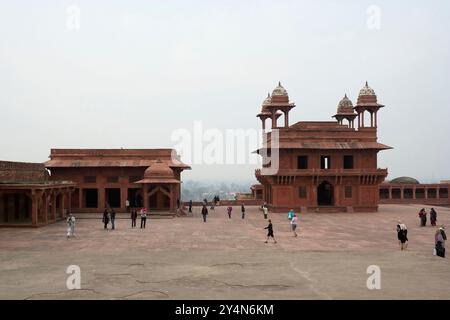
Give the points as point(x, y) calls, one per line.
point(402, 235)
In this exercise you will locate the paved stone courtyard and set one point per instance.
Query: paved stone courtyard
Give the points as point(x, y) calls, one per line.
point(184, 258)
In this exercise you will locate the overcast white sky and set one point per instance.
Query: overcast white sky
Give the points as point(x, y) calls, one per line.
point(135, 71)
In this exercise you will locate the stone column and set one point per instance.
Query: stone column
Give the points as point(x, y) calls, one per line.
point(123, 198)
point(414, 192)
point(145, 195)
point(53, 201)
point(390, 192)
point(274, 119)
point(101, 198)
point(426, 193)
point(286, 119)
point(34, 208)
point(46, 205)
point(402, 193)
point(80, 198)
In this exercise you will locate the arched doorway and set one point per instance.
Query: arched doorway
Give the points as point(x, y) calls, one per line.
point(325, 194)
point(159, 199)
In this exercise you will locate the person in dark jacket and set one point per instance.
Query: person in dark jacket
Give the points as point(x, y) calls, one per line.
point(270, 232)
point(190, 206)
point(133, 218)
point(204, 213)
point(105, 218)
point(433, 217)
point(243, 211)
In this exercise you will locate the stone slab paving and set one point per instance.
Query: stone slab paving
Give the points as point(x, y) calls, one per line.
point(184, 258)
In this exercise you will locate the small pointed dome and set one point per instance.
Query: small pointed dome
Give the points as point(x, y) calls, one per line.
point(159, 170)
point(267, 100)
point(279, 91)
point(366, 91)
point(345, 106)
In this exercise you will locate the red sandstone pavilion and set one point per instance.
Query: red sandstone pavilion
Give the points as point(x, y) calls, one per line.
point(323, 165)
point(88, 180)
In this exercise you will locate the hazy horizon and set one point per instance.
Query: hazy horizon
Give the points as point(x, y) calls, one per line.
point(131, 73)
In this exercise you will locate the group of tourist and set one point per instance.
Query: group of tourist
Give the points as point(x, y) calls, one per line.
point(402, 231)
point(423, 217)
point(439, 237)
point(110, 216)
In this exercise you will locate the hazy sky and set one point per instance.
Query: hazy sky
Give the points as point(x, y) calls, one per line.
point(135, 71)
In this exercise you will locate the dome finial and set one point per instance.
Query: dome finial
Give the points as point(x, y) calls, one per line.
point(279, 83)
point(367, 84)
point(346, 96)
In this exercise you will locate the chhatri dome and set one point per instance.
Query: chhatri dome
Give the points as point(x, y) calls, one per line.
point(345, 106)
point(159, 172)
point(366, 91)
point(267, 100)
point(279, 91)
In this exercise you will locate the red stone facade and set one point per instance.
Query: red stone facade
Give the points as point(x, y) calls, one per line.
point(108, 178)
point(434, 194)
point(29, 198)
point(328, 166)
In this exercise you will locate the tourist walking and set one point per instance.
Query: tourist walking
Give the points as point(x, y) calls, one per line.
point(402, 235)
point(105, 219)
point(433, 217)
point(290, 214)
point(204, 213)
point(243, 211)
point(190, 206)
point(133, 218)
point(70, 225)
point(270, 232)
point(143, 217)
point(439, 241)
point(423, 217)
point(294, 223)
point(265, 211)
point(113, 219)
point(229, 209)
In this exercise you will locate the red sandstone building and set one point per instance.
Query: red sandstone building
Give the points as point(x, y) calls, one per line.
point(29, 198)
point(111, 178)
point(407, 190)
point(323, 165)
